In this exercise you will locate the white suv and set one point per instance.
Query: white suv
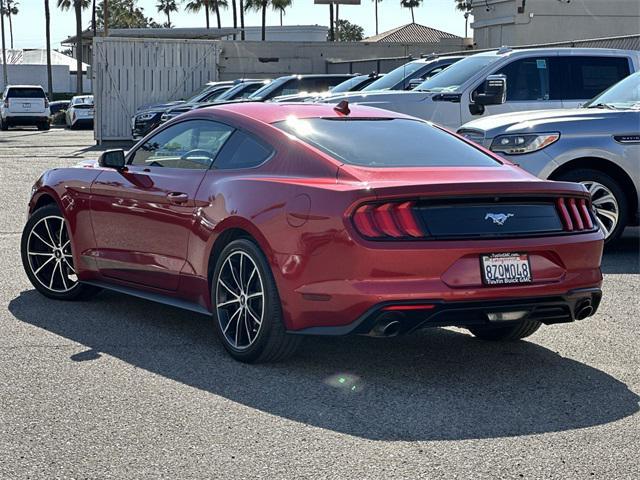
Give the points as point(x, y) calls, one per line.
point(24, 105)
point(526, 79)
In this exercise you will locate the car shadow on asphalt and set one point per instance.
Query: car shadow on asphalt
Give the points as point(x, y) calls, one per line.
point(438, 384)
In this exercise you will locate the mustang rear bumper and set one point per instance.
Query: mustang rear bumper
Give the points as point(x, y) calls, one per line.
point(410, 316)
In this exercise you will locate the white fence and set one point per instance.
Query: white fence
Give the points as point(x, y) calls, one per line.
point(131, 72)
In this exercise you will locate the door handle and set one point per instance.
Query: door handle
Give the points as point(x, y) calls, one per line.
point(178, 197)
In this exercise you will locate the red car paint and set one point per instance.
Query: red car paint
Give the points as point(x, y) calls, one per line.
point(297, 206)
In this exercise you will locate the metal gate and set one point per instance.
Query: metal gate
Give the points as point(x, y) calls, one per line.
point(132, 72)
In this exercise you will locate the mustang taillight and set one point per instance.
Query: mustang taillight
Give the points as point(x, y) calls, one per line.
point(387, 220)
point(575, 214)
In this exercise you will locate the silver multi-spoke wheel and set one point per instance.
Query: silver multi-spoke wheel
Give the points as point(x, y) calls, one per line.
point(240, 301)
point(48, 251)
point(605, 205)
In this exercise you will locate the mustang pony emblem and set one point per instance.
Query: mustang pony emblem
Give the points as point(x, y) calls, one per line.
point(498, 218)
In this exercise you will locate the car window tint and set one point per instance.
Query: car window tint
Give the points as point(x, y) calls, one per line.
point(590, 76)
point(193, 144)
point(527, 79)
point(25, 93)
point(385, 142)
point(243, 151)
point(290, 88)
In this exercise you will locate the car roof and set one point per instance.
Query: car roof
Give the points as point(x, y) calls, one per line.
point(25, 86)
point(270, 112)
point(507, 51)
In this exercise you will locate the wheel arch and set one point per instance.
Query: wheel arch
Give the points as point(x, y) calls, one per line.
point(608, 168)
point(42, 199)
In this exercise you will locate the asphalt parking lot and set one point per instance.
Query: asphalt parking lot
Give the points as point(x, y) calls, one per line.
point(118, 387)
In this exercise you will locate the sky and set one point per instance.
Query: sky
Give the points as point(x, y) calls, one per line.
point(28, 25)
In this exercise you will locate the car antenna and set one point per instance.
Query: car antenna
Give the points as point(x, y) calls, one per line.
point(343, 107)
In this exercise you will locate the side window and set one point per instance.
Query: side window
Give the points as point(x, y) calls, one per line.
point(193, 144)
point(589, 76)
point(243, 151)
point(290, 88)
point(527, 79)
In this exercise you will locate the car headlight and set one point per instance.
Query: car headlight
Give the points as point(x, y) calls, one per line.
point(524, 143)
point(146, 116)
point(165, 117)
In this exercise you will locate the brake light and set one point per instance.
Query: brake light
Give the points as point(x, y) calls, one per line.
point(389, 219)
point(6, 103)
point(46, 103)
point(574, 214)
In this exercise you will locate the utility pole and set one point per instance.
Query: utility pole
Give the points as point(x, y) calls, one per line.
point(4, 48)
point(47, 16)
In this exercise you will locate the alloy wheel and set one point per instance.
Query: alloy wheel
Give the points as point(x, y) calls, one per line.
point(240, 300)
point(605, 206)
point(49, 255)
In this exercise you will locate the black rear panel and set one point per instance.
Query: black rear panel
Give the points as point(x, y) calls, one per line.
point(483, 218)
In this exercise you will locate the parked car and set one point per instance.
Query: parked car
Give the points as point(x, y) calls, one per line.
point(80, 112)
point(242, 90)
point(146, 120)
point(24, 105)
point(541, 78)
point(597, 145)
point(411, 74)
point(294, 84)
point(353, 84)
point(58, 106)
point(288, 219)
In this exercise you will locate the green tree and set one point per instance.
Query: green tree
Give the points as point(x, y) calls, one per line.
point(195, 6)
point(411, 4)
point(78, 6)
point(9, 8)
point(349, 32)
point(167, 7)
point(124, 14)
point(281, 6)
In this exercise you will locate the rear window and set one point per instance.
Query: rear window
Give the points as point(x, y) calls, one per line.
point(21, 92)
point(385, 142)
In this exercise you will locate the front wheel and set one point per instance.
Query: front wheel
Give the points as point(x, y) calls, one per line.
point(246, 305)
point(506, 333)
point(47, 257)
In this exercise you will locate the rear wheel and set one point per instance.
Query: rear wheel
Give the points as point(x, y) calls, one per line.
point(246, 305)
point(506, 333)
point(43, 126)
point(608, 199)
point(47, 257)
point(4, 126)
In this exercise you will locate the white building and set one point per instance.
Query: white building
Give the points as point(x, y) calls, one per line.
point(528, 22)
point(29, 66)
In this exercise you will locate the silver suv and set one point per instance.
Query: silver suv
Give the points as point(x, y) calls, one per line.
point(597, 145)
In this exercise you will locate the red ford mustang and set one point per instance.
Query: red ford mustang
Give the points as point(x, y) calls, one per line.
point(283, 219)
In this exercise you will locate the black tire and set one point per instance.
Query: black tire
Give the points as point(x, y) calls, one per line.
point(4, 126)
point(43, 126)
point(271, 342)
point(76, 290)
point(506, 333)
point(582, 175)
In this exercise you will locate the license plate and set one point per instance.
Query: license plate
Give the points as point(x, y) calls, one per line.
point(26, 105)
point(505, 268)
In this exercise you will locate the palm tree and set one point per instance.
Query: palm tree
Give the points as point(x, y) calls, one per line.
point(411, 4)
point(281, 6)
point(167, 7)
point(4, 48)
point(262, 5)
point(196, 5)
point(465, 6)
point(9, 8)
point(242, 9)
point(78, 5)
point(47, 28)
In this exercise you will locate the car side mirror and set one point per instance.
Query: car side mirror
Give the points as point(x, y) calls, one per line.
point(112, 159)
point(495, 91)
point(414, 82)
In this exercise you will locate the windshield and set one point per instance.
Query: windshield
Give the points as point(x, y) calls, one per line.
point(242, 90)
point(395, 76)
point(263, 92)
point(452, 77)
point(82, 100)
point(385, 142)
point(350, 84)
point(623, 95)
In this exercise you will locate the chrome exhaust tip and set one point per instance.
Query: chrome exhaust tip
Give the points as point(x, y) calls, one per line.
point(385, 327)
point(584, 310)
